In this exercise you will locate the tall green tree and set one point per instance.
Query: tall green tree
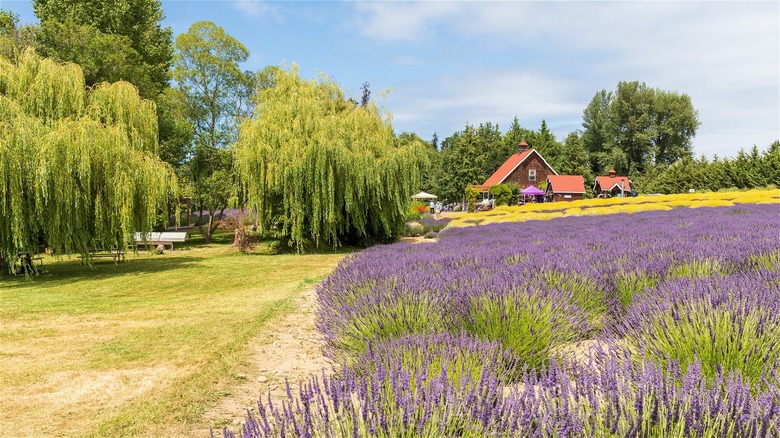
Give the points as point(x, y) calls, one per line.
point(496, 151)
point(219, 96)
point(638, 127)
point(674, 126)
point(14, 37)
point(111, 40)
point(545, 143)
point(515, 135)
point(597, 137)
point(574, 158)
point(321, 170)
point(176, 130)
point(429, 169)
point(632, 121)
point(78, 169)
point(464, 163)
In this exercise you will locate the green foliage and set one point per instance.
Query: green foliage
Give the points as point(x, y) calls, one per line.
point(471, 199)
point(515, 188)
point(218, 95)
point(206, 68)
point(501, 193)
point(638, 126)
point(14, 38)
point(470, 157)
point(429, 170)
point(176, 130)
point(544, 142)
point(574, 159)
point(76, 170)
point(121, 40)
point(321, 170)
point(596, 120)
point(745, 171)
point(528, 326)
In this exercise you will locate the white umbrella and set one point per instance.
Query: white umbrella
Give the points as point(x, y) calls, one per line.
point(423, 195)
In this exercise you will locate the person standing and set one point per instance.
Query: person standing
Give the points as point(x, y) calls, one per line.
point(432, 206)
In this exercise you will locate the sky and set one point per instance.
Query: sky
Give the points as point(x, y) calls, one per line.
point(438, 66)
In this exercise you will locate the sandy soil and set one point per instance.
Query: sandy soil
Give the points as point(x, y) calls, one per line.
point(290, 350)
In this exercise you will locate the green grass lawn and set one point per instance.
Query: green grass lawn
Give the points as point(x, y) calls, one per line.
point(140, 348)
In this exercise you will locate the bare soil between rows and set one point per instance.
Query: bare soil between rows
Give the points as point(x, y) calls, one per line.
point(290, 351)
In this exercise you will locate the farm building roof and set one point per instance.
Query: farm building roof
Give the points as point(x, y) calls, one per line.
point(609, 182)
point(510, 165)
point(566, 183)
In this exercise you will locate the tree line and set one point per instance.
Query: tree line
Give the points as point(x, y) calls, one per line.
point(321, 170)
point(639, 131)
point(325, 169)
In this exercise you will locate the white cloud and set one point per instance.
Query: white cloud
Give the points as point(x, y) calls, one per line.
point(725, 55)
point(254, 8)
point(402, 21)
point(482, 95)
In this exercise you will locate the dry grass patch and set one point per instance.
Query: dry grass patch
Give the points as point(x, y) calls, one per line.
point(142, 348)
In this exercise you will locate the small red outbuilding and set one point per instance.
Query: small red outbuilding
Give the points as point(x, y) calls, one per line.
point(565, 187)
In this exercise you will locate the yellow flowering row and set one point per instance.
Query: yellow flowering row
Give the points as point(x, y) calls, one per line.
point(588, 207)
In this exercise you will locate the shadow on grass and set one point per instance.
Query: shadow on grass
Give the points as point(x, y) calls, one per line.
point(58, 273)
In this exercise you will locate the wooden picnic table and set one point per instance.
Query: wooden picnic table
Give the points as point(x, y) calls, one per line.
point(115, 253)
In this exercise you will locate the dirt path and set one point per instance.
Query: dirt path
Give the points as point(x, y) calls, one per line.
point(290, 350)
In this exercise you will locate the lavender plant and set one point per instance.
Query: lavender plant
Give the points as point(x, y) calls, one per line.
point(730, 322)
point(527, 322)
point(609, 396)
point(458, 337)
point(581, 272)
point(464, 358)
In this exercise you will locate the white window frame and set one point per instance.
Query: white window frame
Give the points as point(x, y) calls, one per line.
point(532, 175)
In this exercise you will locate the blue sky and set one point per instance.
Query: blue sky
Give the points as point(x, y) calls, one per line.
point(444, 64)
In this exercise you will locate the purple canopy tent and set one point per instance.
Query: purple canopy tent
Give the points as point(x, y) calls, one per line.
point(532, 192)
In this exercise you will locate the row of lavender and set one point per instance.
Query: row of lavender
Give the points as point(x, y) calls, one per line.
point(464, 336)
point(607, 396)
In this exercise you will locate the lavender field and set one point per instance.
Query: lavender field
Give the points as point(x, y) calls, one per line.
point(661, 323)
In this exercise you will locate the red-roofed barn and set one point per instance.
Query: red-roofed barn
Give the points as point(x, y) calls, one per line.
point(565, 187)
point(526, 167)
point(612, 185)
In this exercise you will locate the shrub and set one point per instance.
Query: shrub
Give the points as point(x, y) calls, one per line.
point(471, 198)
point(501, 193)
point(464, 358)
point(385, 311)
point(608, 397)
point(728, 322)
point(414, 229)
point(529, 323)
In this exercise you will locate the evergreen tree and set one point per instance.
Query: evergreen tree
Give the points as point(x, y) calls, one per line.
point(575, 159)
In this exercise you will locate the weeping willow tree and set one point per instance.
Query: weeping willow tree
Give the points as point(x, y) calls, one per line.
point(319, 169)
point(78, 167)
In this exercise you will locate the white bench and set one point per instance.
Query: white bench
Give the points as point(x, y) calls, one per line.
point(164, 238)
